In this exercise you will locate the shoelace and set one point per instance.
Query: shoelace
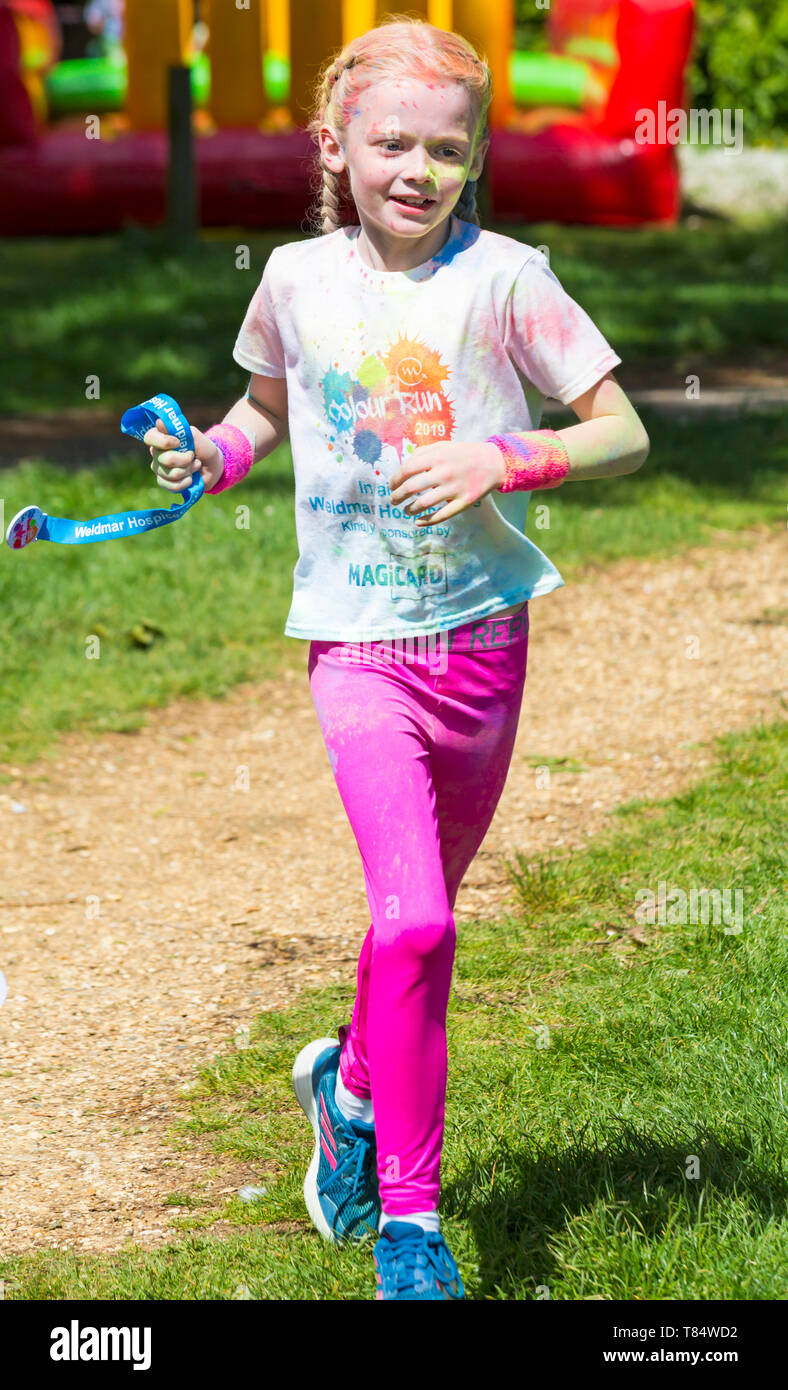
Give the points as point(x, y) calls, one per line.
point(434, 1247)
point(358, 1158)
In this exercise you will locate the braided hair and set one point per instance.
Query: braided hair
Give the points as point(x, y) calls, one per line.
point(401, 46)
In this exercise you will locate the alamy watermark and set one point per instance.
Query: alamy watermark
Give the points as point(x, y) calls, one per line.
point(678, 907)
point(78, 1343)
point(430, 649)
point(706, 127)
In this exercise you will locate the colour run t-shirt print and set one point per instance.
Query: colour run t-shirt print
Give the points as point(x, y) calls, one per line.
point(398, 397)
point(379, 363)
point(393, 402)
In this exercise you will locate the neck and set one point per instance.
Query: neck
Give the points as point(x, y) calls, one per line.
point(377, 252)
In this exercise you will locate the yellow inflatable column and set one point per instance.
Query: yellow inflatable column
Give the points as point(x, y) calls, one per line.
point(357, 17)
point(438, 12)
point(157, 36)
point(237, 42)
point(279, 27)
point(316, 33)
point(491, 31)
point(360, 15)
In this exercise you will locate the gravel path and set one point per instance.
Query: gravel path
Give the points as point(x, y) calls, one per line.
point(149, 909)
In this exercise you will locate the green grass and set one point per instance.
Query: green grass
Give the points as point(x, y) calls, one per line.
point(126, 308)
point(617, 1092)
point(216, 596)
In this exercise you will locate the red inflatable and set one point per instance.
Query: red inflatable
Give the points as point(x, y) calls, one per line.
point(562, 167)
point(654, 38)
point(568, 174)
point(594, 170)
point(17, 121)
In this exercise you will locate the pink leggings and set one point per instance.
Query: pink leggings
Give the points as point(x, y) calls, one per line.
point(420, 747)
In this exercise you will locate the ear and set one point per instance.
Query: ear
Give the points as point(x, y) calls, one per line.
point(331, 149)
point(477, 163)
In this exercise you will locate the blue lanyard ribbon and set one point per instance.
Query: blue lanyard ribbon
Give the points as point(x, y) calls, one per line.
point(33, 524)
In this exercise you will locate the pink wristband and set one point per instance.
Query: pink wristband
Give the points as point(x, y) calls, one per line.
point(534, 459)
point(236, 451)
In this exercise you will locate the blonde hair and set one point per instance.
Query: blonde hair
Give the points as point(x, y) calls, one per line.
point(400, 46)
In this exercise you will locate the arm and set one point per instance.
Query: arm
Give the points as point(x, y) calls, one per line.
point(263, 413)
point(553, 342)
point(610, 439)
point(259, 422)
point(251, 429)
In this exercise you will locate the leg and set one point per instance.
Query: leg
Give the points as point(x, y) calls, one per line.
point(479, 712)
point(470, 763)
point(467, 722)
point(353, 1065)
point(376, 730)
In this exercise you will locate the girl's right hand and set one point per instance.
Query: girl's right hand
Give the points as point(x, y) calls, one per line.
point(174, 470)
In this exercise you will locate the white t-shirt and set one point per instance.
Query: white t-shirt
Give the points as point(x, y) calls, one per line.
point(377, 363)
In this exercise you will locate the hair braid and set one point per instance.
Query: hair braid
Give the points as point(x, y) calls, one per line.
point(329, 201)
point(465, 207)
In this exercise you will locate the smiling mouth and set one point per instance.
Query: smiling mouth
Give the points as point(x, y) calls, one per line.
point(413, 202)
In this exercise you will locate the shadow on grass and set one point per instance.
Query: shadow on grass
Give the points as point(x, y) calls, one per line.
point(643, 1178)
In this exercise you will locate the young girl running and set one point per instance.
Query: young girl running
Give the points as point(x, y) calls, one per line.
point(408, 357)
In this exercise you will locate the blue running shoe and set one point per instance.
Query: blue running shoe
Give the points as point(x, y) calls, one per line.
point(413, 1263)
point(341, 1185)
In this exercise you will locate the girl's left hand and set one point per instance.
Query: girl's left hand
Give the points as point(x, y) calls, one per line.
point(455, 473)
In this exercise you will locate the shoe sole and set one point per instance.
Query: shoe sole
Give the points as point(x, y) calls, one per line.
point(303, 1068)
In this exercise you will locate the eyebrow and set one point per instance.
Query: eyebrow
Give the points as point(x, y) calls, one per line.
point(450, 139)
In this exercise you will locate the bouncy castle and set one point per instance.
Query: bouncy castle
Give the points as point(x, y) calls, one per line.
point(84, 146)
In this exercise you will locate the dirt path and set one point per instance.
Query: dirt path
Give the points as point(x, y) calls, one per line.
point(149, 909)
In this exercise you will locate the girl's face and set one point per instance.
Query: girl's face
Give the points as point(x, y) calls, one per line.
point(410, 139)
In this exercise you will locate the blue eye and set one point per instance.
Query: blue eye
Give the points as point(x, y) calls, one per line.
point(387, 143)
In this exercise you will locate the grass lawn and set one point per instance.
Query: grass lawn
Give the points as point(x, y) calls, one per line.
point(617, 1095)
